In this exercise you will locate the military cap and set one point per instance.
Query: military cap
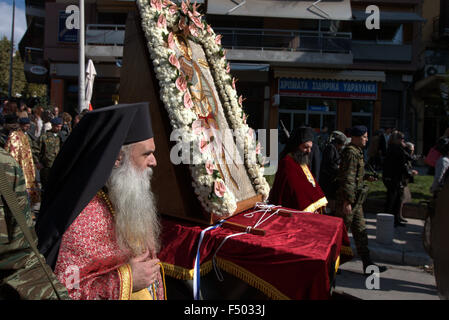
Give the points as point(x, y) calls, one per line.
point(56, 121)
point(24, 120)
point(358, 131)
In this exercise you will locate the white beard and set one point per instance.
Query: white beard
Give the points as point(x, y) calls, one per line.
point(136, 221)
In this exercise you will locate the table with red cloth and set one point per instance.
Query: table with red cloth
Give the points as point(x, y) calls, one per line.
point(295, 259)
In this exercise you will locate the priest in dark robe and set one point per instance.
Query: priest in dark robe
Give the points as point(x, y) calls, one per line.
point(98, 227)
point(294, 185)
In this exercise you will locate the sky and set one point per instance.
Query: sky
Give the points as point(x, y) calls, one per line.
point(20, 25)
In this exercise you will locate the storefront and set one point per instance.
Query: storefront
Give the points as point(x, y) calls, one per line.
point(335, 103)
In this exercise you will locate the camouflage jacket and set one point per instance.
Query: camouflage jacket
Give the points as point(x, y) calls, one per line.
point(3, 137)
point(351, 174)
point(34, 145)
point(21, 275)
point(49, 145)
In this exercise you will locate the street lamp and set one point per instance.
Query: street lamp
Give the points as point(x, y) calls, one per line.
point(81, 79)
point(12, 49)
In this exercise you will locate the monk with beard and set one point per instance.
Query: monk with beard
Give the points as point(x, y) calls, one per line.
point(294, 185)
point(98, 226)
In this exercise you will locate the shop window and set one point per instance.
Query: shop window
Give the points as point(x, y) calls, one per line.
point(362, 106)
point(71, 97)
point(104, 93)
point(285, 120)
point(322, 105)
point(329, 122)
point(299, 119)
point(294, 103)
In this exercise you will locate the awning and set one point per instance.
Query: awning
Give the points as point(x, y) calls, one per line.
point(250, 67)
point(390, 16)
point(299, 9)
point(349, 75)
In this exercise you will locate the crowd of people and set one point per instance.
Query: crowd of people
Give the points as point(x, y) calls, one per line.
point(340, 175)
point(388, 156)
point(109, 228)
point(104, 235)
point(34, 136)
point(341, 190)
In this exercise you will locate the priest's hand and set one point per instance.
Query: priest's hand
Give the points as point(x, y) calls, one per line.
point(145, 271)
point(347, 209)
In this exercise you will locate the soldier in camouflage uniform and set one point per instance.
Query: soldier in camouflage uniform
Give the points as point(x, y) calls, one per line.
point(352, 192)
point(49, 146)
point(21, 275)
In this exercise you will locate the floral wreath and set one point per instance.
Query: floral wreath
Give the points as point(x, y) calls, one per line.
point(158, 17)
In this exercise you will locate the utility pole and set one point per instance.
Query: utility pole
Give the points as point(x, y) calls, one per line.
point(12, 50)
point(82, 66)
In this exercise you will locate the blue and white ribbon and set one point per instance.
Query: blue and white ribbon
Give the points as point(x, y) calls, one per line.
point(196, 268)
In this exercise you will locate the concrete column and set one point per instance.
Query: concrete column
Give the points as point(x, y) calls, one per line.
point(57, 93)
point(420, 113)
point(377, 111)
point(344, 115)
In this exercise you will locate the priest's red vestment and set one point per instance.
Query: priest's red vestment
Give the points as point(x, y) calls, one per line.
point(90, 262)
point(295, 187)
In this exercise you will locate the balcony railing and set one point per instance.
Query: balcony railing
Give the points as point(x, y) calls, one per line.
point(105, 34)
point(272, 39)
point(382, 51)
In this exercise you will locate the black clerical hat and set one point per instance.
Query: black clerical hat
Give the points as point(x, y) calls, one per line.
point(301, 135)
point(83, 166)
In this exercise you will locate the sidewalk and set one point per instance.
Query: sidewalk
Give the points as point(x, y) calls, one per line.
point(406, 247)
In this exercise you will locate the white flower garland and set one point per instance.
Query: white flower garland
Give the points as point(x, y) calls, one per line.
point(158, 17)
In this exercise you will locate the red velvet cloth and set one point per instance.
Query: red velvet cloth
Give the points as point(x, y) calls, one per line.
point(291, 188)
point(296, 255)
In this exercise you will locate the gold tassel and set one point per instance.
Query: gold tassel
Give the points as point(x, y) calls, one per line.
point(251, 279)
point(181, 273)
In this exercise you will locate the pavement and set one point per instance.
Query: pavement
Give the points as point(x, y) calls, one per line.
point(406, 247)
point(410, 269)
point(399, 282)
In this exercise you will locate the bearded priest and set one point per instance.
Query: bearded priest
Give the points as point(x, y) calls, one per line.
point(294, 185)
point(98, 227)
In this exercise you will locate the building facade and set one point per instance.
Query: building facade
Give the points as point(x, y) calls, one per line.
point(295, 61)
point(430, 90)
point(59, 54)
point(327, 69)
